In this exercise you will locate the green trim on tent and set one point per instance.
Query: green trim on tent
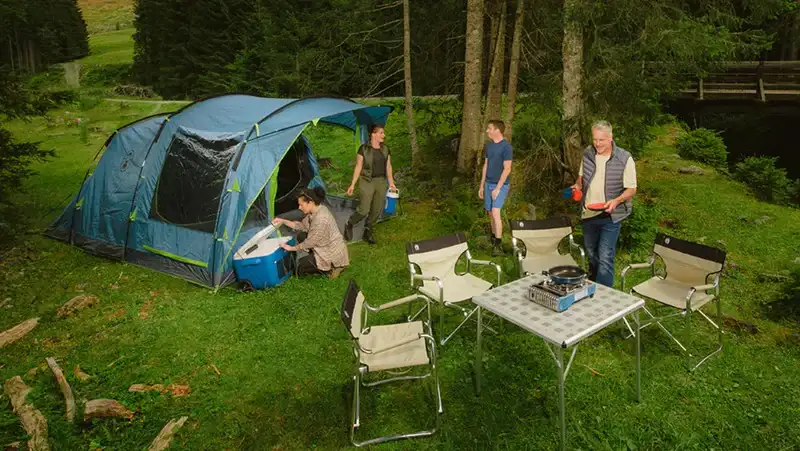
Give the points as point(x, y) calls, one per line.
point(315, 121)
point(272, 176)
point(175, 257)
point(132, 216)
point(235, 186)
point(78, 204)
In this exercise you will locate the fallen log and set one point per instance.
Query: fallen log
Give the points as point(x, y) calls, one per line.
point(98, 408)
point(13, 446)
point(69, 398)
point(32, 420)
point(17, 332)
point(164, 437)
point(175, 389)
point(75, 304)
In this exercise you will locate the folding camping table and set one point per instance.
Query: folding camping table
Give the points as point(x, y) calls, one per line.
point(559, 331)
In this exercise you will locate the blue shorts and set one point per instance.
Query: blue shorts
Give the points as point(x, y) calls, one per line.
point(487, 196)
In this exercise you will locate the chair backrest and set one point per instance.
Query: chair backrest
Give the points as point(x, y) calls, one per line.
point(352, 305)
point(541, 237)
point(437, 256)
point(687, 262)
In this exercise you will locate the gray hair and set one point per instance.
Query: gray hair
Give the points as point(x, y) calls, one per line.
point(602, 125)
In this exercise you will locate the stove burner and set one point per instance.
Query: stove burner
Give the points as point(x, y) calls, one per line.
point(559, 297)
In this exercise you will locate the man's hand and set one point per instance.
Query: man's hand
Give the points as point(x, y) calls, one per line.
point(350, 190)
point(480, 192)
point(495, 193)
point(612, 205)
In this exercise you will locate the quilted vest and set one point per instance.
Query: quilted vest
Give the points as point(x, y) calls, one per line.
point(615, 168)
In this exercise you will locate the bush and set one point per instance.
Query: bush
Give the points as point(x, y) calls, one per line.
point(705, 146)
point(768, 182)
point(639, 230)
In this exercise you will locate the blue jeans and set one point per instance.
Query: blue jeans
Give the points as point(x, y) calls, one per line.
point(600, 241)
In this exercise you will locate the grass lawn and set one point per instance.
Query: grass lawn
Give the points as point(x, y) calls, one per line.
point(110, 47)
point(285, 359)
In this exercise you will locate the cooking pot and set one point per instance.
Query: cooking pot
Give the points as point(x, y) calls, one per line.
point(566, 274)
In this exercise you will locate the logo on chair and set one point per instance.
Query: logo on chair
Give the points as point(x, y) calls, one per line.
point(666, 241)
point(416, 247)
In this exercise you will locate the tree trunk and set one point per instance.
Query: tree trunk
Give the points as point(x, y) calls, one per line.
point(412, 131)
point(494, 97)
point(572, 86)
point(469, 145)
point(513, 70)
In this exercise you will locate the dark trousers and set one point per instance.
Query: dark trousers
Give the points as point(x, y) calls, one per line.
point(600, 236)
point(307, 266)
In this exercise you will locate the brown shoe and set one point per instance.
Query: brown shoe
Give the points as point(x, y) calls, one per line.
point(334, 273)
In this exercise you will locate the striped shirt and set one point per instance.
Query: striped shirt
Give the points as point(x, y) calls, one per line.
point(324, 239)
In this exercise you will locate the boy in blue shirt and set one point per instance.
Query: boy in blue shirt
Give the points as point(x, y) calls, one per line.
point(494, 185)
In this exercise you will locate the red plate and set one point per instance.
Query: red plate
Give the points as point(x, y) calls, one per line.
point(596, 207)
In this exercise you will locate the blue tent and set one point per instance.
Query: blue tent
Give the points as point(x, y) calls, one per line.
point(181, 192)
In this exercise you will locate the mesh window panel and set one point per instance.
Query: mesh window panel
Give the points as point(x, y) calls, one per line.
point(192, 180)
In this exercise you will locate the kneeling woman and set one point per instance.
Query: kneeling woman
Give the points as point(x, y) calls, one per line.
point(324, 243)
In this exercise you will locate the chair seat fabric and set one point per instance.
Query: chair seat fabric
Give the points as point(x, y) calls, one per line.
point(410, 354)
point(672, 293)
point(537, 264)
point(456, 288)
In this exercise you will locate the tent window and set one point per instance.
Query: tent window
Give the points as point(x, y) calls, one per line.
point(257, 215)
point(192, 180)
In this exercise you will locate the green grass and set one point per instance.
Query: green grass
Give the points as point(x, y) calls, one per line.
point(285, 359)
point(111, 47)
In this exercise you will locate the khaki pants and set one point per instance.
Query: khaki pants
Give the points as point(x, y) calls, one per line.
point(372, 198)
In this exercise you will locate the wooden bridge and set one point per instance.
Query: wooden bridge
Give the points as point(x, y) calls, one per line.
point(763, 81)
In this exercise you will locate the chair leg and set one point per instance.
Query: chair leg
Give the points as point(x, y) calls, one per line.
point(356, 408)
point(719, 333)
point(665, 330)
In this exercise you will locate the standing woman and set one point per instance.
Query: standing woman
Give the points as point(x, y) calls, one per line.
point(327, 250)
point(373, 168)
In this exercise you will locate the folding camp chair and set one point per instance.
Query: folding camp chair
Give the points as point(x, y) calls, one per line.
point(388, 348)
point(691, 271)
point(536, 244)
point(433, 263)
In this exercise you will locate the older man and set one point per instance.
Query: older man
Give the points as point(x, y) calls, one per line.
point(608, 177)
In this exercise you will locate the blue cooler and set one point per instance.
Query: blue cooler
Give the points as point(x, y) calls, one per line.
point(262, 262)
point(392, 197)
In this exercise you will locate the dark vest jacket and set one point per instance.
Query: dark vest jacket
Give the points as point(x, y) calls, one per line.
point(366, 150)
point(615, 168)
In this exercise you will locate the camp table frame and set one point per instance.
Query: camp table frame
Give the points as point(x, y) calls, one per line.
point(560, 331)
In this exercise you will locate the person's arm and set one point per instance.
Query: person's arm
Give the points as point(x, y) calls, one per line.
point(315, 235)
point(629, 183)
point(483, 179)
point(505, 173)
point(294, 225)
point(579, 181)
point(356, 173)
point(389, 173)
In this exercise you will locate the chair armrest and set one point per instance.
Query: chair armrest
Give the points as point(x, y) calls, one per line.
point(433, 279)
point(705, 287)
point(636, 266)
point(574, 245)
point(488, 263)
point(391, 346)
point(397, 302)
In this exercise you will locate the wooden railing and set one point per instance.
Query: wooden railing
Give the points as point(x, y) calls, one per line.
point(764, 81)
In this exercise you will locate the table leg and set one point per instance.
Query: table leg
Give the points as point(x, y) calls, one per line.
point(638, 357)
point(561, 407)
point(478, 354)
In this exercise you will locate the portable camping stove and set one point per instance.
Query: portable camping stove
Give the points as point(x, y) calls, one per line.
point(559, 297)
